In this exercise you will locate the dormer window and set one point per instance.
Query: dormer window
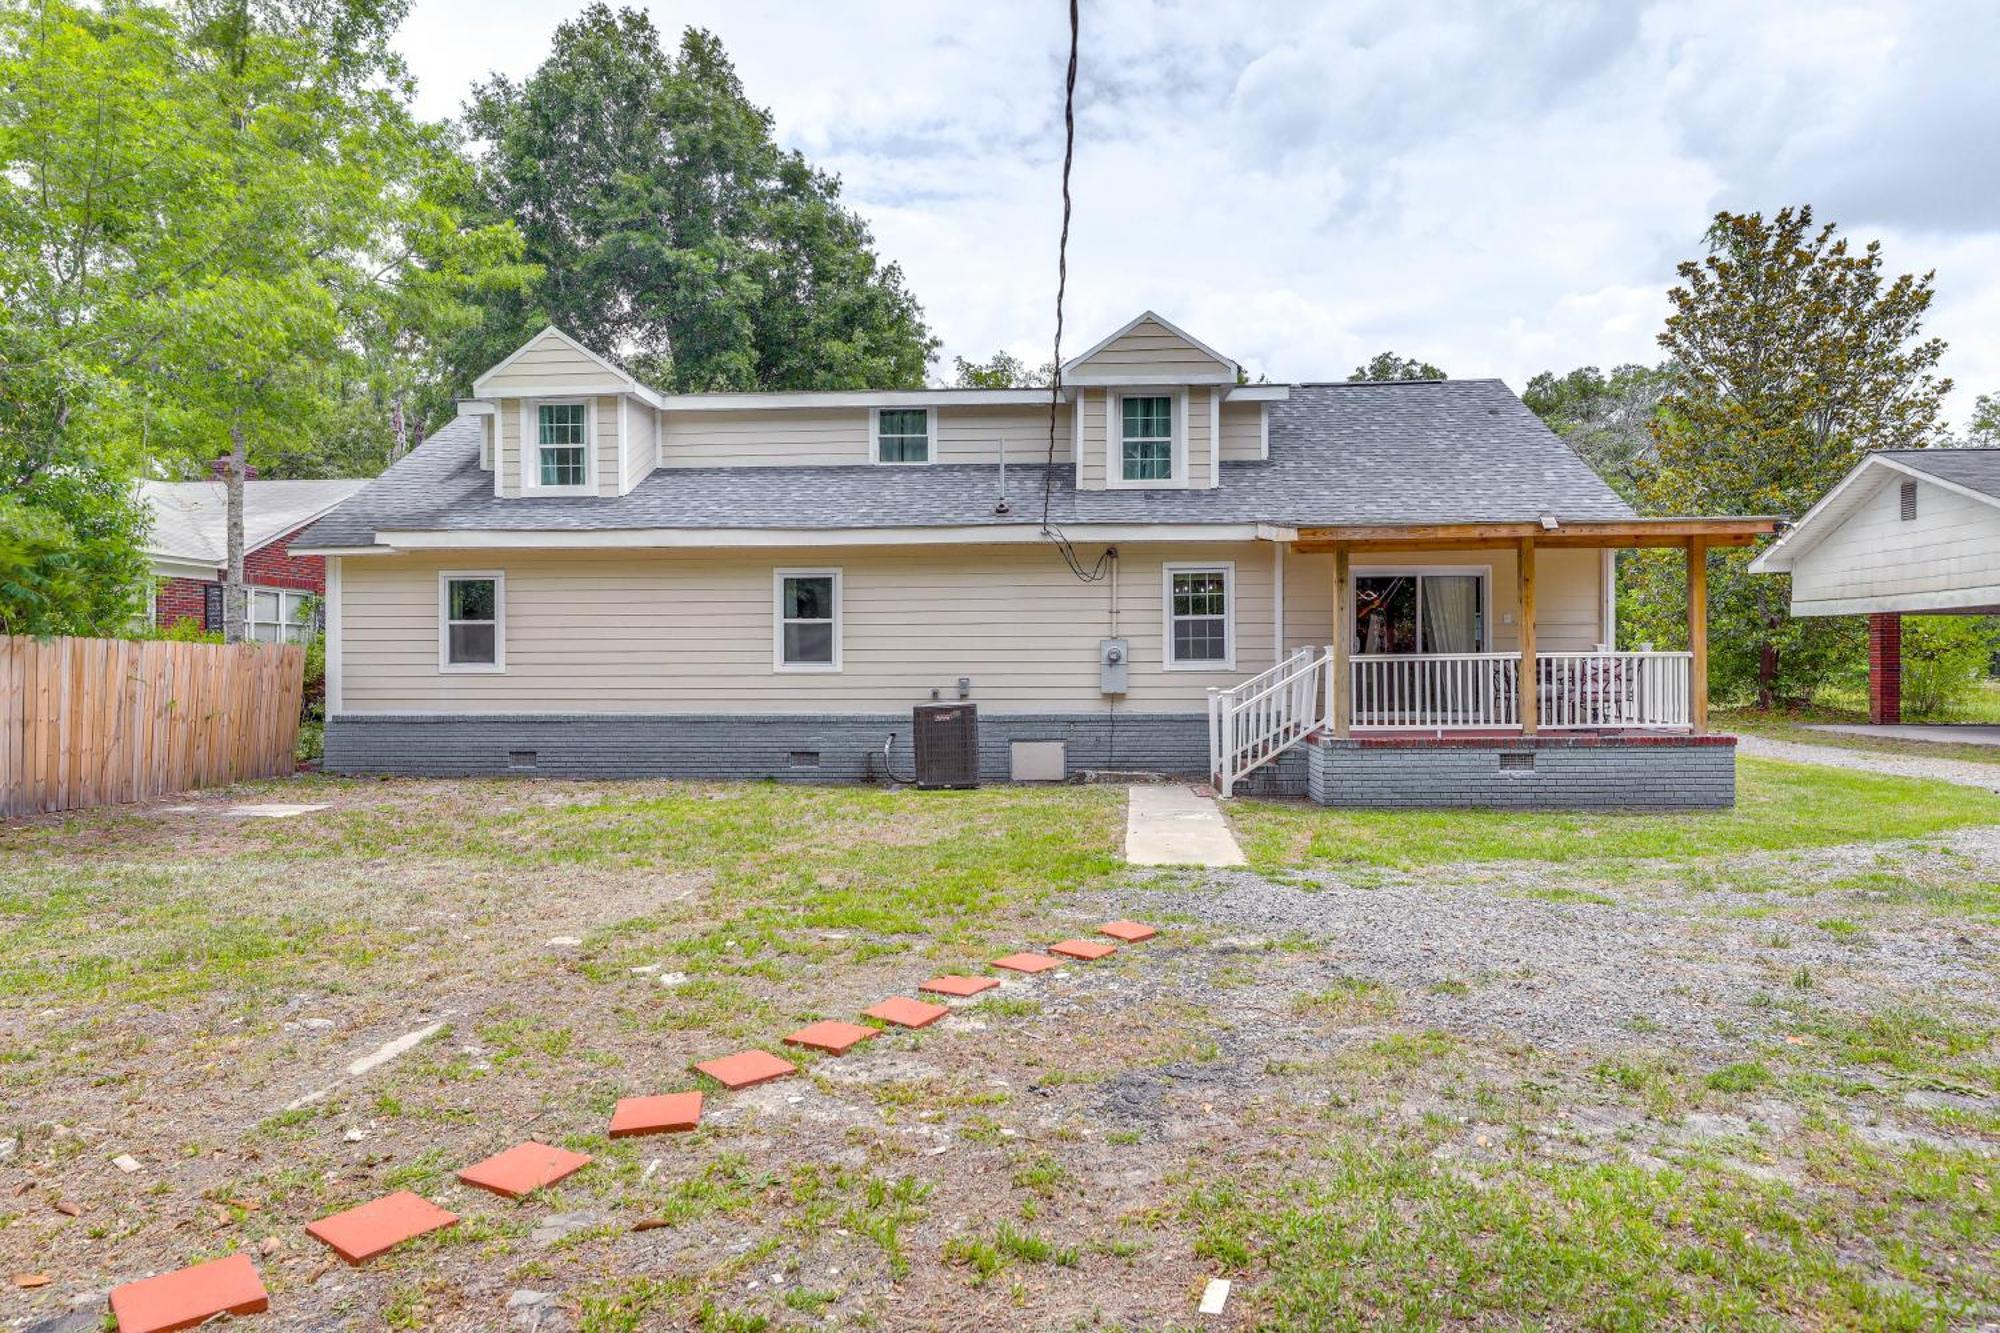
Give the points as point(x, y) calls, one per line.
point(903, 435)
point(562, 445)
point(1147, 438)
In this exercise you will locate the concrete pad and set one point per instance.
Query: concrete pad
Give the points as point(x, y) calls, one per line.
point(267, 810)
point(1088, 951)
point(359, 1234)
point(905, 1012)
point(669, 1113)
point(1173, 825)
point(523, 1169)
point(746, 1069)
point(1950, 733)
point(190, 1297)
point(1029, 963)
point(958, 987)
point(831, 1036)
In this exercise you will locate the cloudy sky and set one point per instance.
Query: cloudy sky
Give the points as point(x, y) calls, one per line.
point(1498, 188)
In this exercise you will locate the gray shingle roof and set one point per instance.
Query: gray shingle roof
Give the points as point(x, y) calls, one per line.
point(1449, 451)
point(1974, 469)
point(189, 517)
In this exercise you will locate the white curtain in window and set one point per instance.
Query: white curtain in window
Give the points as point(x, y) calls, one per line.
point(1451, 613)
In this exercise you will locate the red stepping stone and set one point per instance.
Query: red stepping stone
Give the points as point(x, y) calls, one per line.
point(1129, 931)
point(671, 1113)
point(359, 1234)
point(190, 1296)
point(1088, 950)
point(1026, 962)
point(831, 1036)
point(523, 1169)
point(959, 986)
point(746, 1069)
point(906, 1013)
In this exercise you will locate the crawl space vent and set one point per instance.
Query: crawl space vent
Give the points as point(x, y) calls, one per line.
point(519, 760)
point(1517, 760)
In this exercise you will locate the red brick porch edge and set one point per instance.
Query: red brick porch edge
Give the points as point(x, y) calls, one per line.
point(1585, 740)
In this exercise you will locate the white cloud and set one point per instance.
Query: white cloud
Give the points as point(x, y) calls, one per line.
point(1497, 188)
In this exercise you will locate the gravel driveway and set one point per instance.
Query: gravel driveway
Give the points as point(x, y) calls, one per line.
point(1961, 771)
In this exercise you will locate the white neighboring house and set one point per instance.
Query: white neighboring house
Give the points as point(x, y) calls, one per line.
point(189, 551)
point(1403, 588)
point(1906, 532)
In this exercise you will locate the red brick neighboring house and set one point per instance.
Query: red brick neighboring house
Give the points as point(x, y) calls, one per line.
point(189, 551)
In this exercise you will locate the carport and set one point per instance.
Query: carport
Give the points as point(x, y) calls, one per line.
point(1907, 532)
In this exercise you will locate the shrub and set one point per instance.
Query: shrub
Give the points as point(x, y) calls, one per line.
point(1944, 658)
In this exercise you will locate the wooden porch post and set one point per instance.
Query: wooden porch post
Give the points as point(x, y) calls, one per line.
point(1524, 570)
point(1338, 686)
point(1697, 580)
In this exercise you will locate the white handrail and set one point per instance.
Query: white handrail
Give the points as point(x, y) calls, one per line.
point(1253, 723)
point(1480, 691)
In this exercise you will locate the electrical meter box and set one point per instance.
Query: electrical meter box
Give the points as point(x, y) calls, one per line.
point(1114, 666)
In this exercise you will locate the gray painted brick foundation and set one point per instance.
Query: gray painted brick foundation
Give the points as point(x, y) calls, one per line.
point(1545, 773)
point(785, 747)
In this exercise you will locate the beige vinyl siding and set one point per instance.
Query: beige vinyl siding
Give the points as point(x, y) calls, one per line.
point(837, 437)
point(610, 472)
point(1569, 595)
point(1948, 555)
point(1242, 432)
point(548, 363)
point(507, 457)
point(691, 632)
point(1200, 447)
point(794, 438)
point(641, 441)
point(1090, 470)
point(974, 434)
point(1150, 351)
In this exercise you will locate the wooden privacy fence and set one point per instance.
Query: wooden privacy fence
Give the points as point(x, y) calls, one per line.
point(97, 721)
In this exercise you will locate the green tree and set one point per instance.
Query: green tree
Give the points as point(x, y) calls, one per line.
point(1793, 355)
point(672, 231)
point(1606, 419)
point(1983, 431)
point(1003, 370)
point(1385, 366)
point(90, 133)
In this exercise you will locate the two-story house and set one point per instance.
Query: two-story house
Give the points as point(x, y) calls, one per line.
point(1157, 567)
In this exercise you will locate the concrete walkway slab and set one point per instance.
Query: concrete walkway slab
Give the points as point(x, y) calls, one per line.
point(1177, 826)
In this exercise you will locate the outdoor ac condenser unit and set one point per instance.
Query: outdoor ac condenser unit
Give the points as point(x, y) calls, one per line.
point(946, 740)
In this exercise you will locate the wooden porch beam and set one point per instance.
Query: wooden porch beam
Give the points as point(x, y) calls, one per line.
point(1524, 570)
point(1338, 684)
point(1697, 596)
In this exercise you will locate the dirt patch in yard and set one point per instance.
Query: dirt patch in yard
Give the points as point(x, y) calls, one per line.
point(1360, 1100)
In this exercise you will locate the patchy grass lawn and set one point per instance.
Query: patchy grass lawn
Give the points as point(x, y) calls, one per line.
point(1755, 1082)
point(1778, 805)
point(1797, 726)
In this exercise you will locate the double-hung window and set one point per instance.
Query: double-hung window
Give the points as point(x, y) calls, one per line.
point(562, 445)
point(1199, 612)
point(1146, 435)
point(278, 615)
point(808, 616)
point(903, 435)
point(472, 622)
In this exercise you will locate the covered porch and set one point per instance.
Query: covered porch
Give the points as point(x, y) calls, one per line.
point(1413, 661)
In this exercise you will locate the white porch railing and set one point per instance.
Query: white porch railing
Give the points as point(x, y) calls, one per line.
point(1436, 691)
point(1255, 722)
point(1576, 690)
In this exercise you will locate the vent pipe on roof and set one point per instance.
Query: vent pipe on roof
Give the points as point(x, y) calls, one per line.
point(1002, 506)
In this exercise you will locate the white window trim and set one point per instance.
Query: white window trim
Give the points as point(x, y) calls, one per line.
point(1114, 441)
point(1490, 621)
point(1167, 572)
point(250, 620)
point(778, 577)
point(875, 436)
point(531, 446)
point(499, 663)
